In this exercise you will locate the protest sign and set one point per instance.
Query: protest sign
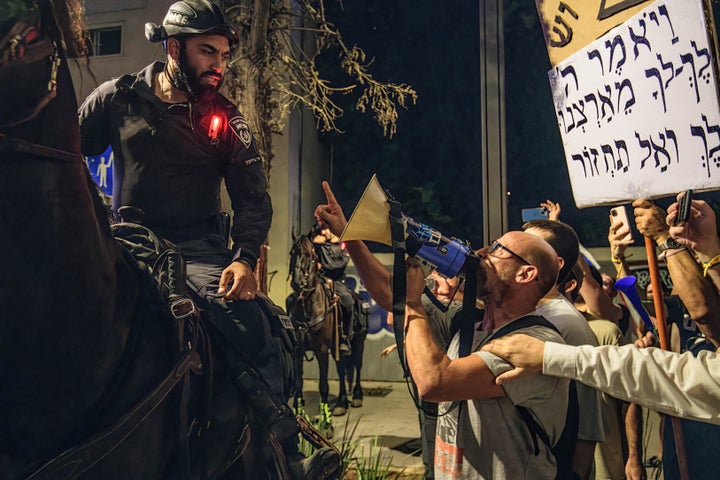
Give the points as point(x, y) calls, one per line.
point(570, 25)
point(638, 108)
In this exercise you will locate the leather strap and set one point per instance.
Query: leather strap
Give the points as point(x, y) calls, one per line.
point(23, 146)
point(399, 287)
point(77, 460)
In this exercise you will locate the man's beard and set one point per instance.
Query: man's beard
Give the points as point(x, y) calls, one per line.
point(186, 78)
point(495, 284)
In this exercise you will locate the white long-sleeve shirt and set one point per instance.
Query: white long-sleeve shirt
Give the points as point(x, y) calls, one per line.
point(675, 384)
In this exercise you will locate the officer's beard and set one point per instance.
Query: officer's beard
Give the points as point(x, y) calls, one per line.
point(186, 78)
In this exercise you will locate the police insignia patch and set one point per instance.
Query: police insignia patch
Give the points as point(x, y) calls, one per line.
point(241, 128)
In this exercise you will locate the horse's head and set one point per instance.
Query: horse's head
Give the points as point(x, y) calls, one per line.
point(305, 279)
point(304, 271)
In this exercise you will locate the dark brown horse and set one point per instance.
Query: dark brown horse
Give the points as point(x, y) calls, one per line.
point(316, 312)
point(95, 383)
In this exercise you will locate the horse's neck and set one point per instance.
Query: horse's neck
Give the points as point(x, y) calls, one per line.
point(50, 205)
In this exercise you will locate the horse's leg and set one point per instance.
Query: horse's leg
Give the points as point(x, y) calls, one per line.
point(341, 403)
point(358, 348)
point(325, 416)
point(298, 400)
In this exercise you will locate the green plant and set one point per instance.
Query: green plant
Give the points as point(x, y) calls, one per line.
point(348, 443)
point(376, 464)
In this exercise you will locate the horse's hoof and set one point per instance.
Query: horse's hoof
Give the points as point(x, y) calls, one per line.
point(339, 411)
point(356, 402)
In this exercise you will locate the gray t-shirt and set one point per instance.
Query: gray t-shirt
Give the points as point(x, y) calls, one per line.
point(488, 439)
point(575, 330)
point(441, 322)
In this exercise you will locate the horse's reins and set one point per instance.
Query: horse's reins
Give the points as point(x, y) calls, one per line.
point(11, 144)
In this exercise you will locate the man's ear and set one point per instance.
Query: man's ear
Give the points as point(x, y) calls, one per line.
point(173, 48)
point(527, 274)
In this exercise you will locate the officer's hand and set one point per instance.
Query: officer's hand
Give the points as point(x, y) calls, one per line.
point(331, 215)
point(242, 279)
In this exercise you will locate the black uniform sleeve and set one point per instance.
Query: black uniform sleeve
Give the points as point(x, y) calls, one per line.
point(247, 187)
point(94, 125)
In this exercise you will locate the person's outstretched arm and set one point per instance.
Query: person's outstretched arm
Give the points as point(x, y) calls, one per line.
point(374, 275)
point(675, 384)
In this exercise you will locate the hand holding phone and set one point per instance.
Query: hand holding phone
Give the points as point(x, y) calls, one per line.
point(534, 214)
point(684, 204)
point(618, 215)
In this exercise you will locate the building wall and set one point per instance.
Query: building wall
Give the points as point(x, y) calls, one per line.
point(137, 52)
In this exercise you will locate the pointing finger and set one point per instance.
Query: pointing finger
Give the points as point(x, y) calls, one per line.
point(329, 193)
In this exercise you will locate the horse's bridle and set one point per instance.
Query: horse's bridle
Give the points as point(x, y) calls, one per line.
point(20, 46)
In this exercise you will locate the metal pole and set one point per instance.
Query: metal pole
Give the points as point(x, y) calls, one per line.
point(664, 344)
point(492, 119)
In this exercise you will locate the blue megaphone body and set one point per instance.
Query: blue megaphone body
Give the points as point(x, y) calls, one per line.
point(447, 255)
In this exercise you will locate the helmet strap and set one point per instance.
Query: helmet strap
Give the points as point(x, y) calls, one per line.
point(176, 77)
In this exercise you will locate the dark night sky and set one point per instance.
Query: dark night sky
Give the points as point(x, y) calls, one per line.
point(432, 165)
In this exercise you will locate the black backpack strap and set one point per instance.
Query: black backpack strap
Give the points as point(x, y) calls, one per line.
point(523, 322)
point(535, 429)
point(467, 316)
point(564, 449)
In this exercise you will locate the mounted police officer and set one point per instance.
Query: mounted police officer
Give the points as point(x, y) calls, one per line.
point(175, 138)
point(333, 259)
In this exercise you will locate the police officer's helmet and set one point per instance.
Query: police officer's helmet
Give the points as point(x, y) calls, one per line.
point(192, 17)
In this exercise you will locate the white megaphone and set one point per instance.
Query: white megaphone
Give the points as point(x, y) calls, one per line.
point(626, 287)
point(371, 221)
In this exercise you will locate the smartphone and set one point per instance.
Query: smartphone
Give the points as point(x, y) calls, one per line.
point(619, 215)
point(684, 208)
point(534, 214)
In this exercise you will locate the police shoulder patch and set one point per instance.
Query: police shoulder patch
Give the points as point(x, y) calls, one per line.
point(241, 128)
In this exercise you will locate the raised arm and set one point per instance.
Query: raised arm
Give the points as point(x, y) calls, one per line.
point(698, 233)
point(436, 376)
point(374, 275)
point(697, 292)
point(617, 238)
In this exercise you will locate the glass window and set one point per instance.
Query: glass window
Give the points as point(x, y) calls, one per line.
point(106, 41)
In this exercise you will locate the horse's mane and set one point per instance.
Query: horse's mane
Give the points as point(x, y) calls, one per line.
point(71, 19)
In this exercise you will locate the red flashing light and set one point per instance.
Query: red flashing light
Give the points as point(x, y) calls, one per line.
point(214, 130)
point(342, 246)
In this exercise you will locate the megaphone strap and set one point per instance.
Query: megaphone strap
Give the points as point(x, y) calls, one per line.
point(397, 229)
